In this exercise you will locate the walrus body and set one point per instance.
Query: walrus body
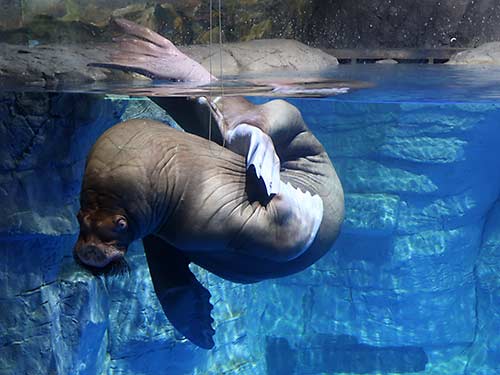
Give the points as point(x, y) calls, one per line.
point(303, 163)
point(195, 195)
point(193, 200)
point(247, 193)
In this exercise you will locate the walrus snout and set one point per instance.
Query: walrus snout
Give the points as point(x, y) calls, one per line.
point(103, 240)
point(97, 255)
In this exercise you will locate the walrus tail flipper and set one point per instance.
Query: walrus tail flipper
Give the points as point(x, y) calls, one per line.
point(184, 300)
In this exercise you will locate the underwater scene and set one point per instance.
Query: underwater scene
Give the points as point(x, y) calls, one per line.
point(410, 286)
point(249, 187)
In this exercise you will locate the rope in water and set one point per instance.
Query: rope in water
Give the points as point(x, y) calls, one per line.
point(210, 95)
point(210, 68)
point(220, 50)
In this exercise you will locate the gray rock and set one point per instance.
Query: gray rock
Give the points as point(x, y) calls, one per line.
point(11, 14)
point(265, 55)
point(368, 176)
point(424, 149)
point(386, 61)
point(372, 213)
point(50, 66)
point(488, 53)
point(53, 66)
point(54, 318)
point(427, 258)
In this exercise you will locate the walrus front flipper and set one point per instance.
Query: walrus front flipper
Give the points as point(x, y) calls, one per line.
point(184, 300)
point(258, 148)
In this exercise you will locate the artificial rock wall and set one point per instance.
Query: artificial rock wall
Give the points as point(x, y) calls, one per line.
point(411, 285)
point(324, 23)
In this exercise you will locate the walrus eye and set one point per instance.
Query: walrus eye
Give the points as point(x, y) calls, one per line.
point(121, 224)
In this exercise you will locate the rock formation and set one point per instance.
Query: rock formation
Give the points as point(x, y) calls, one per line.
point(53, 66)
point(488, 53)
point(323, 23)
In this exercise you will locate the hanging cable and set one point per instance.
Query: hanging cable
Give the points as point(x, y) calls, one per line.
point(220, 67)
point(220, 49)
point(210, 68)
point(213, 110)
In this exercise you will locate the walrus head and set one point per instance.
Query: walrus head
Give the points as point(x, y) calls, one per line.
point(103, 240)
point(114, 207)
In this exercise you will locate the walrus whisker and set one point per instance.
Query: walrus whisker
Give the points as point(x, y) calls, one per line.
point(120, 267)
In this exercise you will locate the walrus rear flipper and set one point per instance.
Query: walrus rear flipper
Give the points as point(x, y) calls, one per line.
point(148, 53)
point(184, 300)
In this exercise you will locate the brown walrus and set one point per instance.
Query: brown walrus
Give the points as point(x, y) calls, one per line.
point(266, 205)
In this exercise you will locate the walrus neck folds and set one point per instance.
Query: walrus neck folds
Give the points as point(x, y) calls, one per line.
point(147, 211)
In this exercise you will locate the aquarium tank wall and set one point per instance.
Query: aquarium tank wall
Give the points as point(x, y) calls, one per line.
point(404, 96)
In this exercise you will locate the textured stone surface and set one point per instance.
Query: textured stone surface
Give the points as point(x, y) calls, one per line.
point(54, 317)
point(410, 286)
point(32, 128)
point(405, 24)
point(484, 354)
point(53, 65)
point(488, 53)
point(265, 55)
point(328, 23)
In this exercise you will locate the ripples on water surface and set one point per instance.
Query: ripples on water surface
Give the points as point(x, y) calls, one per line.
point(371, 82)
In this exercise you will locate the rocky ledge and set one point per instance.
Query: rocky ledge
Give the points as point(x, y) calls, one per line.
point(488, 53)
point(50, 65)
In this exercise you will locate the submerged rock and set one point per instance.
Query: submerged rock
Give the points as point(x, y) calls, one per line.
point(484, 353)
point(54, 316)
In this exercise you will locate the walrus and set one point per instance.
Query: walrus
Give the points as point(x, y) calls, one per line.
point(260, 199)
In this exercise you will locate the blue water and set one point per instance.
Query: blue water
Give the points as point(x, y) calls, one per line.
point(411, 286)
point(422, 83)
